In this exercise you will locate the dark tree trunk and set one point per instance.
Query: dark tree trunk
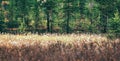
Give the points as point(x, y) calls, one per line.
point(36, 15)
point(91, 17)
point(68, 18)
point(51, 21)
point(104, 23)
point(51, 25)
point(67, 22)
point(48, 22)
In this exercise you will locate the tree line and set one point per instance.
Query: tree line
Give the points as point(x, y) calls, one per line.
point(61, 16)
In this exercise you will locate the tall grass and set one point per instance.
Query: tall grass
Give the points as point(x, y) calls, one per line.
point(56, 47)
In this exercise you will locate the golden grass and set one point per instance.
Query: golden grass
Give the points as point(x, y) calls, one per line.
point(56, 47)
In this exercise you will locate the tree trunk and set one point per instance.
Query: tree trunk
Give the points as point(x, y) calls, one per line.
point(67, 22)
point(68, 18)
point(36, 15)
point(51, 21)
point(51, 26)
point(48, 21)
point(104, 23)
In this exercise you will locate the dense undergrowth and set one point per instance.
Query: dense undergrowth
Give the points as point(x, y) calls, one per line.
point(55, 47)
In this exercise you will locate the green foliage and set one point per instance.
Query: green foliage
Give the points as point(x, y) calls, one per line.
point(22, 27)
point(2, 25)
point(114, 24)
point(62, 15)
point(1, 16)
point(13, 24)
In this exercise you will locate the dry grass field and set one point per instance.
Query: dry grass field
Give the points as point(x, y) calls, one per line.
point(58, 47)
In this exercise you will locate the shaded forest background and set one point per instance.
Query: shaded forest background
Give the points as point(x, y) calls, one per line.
point(60, 16)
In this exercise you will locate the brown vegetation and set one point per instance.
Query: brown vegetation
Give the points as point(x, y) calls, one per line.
point(72, 47)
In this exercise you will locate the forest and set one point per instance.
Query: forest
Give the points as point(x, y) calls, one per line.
point(60, 16)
